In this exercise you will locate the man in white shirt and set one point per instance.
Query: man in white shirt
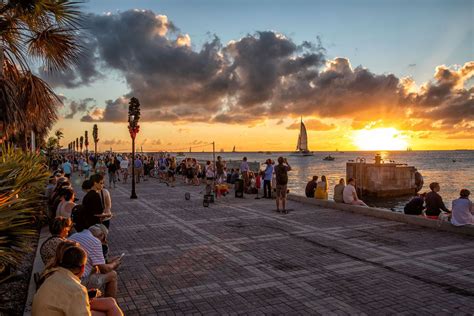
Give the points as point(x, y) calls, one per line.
point(350, 195)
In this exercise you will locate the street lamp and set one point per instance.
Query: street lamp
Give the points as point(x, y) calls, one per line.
point(133, 128)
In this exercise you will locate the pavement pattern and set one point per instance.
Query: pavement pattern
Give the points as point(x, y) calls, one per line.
point(239, 256)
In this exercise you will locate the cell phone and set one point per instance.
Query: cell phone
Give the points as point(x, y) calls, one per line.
point(92, 293)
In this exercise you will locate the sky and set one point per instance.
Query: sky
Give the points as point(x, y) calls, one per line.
point(363, 75)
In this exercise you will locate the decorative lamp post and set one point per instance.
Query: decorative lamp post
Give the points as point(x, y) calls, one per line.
point(81, 143)
point(133, 128)
point(86, 144)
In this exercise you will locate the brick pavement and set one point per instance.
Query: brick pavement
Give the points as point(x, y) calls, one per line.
point(240, 257)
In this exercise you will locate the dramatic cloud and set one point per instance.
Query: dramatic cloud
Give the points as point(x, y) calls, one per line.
point(315, 125)
point(259, 76)
point(80, 106)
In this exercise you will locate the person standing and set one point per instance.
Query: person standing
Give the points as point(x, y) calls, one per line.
point(281, 172)
point(220, 166)
point(138, 168)
point(124, 168)
point(267, 179)
point(112, 170)
point(244, 169)
point(67, 168)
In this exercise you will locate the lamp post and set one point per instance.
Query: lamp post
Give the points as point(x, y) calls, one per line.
point(133, 128)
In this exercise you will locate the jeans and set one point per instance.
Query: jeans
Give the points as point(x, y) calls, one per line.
point(267, 188)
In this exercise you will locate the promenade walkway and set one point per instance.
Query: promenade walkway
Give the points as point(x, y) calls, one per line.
point(241, 257)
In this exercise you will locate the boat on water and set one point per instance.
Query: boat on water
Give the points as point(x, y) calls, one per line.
point(268, 153)
point(180, 154)
point(302, 145)
point(329, 158)
point(233, 149)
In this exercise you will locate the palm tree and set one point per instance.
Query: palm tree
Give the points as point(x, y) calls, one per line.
point(77, 144)
point(95, 135)
point(59, 134)
point(44, 31)
point(81, 142)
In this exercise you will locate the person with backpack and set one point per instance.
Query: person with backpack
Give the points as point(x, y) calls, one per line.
point(281, 172)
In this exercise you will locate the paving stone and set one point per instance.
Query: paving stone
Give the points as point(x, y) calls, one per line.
point(237, 256)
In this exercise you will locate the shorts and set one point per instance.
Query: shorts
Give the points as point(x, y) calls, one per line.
point(281, 190)
point(95, 281)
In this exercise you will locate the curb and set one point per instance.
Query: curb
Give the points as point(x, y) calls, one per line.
point(384, 214)
point(38, 266)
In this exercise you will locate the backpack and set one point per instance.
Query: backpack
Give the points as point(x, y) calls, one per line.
point(281, 175)
point(76, 216)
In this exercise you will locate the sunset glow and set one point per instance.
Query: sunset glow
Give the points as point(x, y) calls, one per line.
point(380, 139)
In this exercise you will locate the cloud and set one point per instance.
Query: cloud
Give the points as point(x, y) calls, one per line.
point(314, 125)
point(79, 107)
point(115, 142)
point(265, 75)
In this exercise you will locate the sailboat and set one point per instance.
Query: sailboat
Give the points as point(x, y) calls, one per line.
point(233, 150)
point(302, 146)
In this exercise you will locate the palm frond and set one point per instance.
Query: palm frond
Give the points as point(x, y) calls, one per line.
point(56, 46)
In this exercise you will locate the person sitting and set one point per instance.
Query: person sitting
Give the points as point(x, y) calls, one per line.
point(415, 205)
point(434, 202)
point(322, 189)
point(350, 195)
point(98, 273)
point(235, 176)
point(61, 292)
point(67, 203)
point(462, 210)
point(59, 229)
point(311, 187)
point(338, 191)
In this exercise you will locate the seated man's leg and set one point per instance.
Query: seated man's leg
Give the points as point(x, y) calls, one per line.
point(105, 306)
point(110, 279)
point(359, 202)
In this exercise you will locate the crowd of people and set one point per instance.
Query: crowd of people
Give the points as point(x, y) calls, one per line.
point(80, 276)
point(431, 205)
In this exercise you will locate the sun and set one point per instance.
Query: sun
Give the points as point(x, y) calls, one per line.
point(380, 139)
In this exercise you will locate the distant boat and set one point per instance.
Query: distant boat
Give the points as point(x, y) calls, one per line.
point(268, 153)
point(233, 149)
point(329, 158)
point(180, 154)
point(302, 145)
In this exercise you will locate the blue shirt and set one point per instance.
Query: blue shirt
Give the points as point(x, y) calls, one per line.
point(138, 163)
point(67, 168)
point(268, 173)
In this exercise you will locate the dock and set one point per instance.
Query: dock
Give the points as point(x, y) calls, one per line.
point(238, 256)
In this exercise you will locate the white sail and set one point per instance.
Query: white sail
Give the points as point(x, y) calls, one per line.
point(302, 139)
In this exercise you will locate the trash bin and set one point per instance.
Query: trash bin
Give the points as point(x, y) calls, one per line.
point(239, 188)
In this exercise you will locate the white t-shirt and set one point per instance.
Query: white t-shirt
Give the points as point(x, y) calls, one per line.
point(124, 164)
point(347, 194)
point(462, 212)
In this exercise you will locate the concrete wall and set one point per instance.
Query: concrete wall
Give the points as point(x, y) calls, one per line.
point(385, 214)
point(382, 180)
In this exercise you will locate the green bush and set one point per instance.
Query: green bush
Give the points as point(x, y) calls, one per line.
point(23, 178)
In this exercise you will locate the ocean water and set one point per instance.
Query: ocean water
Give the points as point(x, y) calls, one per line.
point(454, 170)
